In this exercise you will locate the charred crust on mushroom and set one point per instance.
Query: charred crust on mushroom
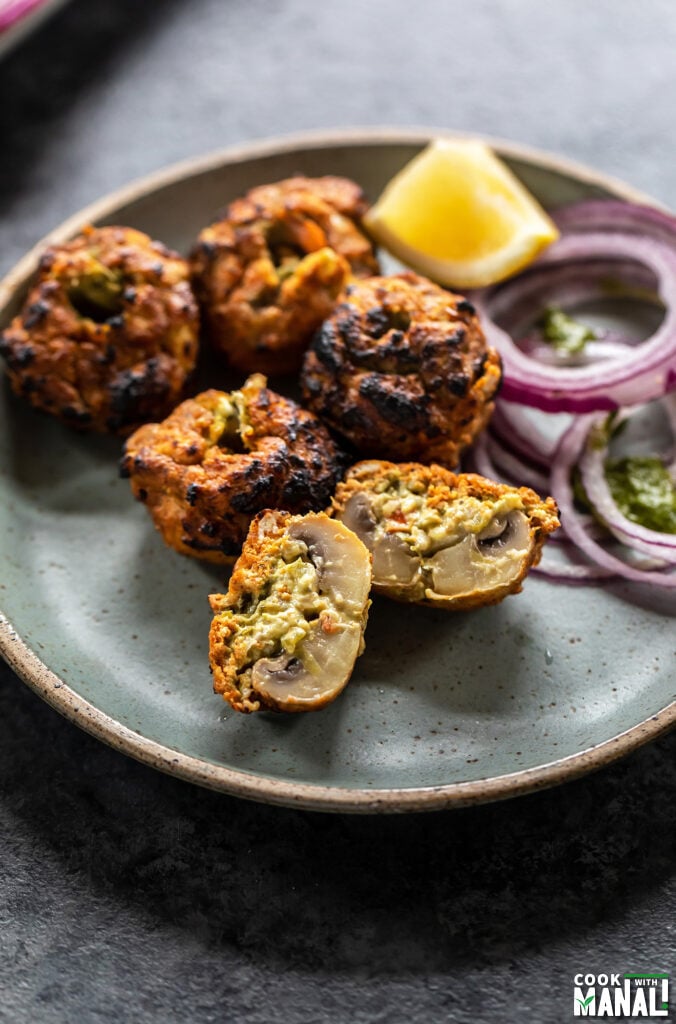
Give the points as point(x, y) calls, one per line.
point(402, 370)
point(219, 458)
point(269, 272)
point(108, 335)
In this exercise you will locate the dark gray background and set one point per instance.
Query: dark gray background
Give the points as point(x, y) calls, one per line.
point(128, 896)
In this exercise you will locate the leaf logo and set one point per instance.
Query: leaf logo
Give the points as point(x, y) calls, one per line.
point(586, 1002)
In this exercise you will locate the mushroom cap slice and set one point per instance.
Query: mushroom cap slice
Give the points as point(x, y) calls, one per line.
point(483, 563)
point(343, 567)
point(456, 541)
point(393, 561)
point(288, 632)
point(314, 675)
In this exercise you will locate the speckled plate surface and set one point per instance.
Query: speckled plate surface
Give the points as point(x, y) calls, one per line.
point(110, 627)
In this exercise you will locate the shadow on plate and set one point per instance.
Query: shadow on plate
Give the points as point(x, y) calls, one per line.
point(482, 684)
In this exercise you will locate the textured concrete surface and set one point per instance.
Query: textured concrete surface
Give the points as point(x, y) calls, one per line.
point(127, 896)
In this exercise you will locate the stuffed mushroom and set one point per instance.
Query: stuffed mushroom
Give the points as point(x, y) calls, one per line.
point(401, 369)
point(108, 335)
point(457, 541)
point(288, 632)
point(219, 458)
point(270, 271)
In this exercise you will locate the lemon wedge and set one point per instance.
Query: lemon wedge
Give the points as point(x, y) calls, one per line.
point(457, 214)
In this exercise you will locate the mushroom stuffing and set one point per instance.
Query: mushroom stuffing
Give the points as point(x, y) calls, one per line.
point(452, 540)
point(288, 632)
point(389, 366)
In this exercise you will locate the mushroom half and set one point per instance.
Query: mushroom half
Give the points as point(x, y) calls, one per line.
point(393, 560)
point(457, 541)
point(483, 563)
point(287, 634)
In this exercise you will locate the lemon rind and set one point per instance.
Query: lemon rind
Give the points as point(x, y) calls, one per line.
point(535, 230)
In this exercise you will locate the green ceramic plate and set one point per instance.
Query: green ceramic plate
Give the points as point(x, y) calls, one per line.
point(111, 627)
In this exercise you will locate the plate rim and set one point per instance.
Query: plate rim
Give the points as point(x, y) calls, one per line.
point(21, 271)
point(266, 789)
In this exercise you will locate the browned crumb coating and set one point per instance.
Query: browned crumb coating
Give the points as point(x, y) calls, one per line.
point(218, 459)
point(452, 540)
point(108, 334)
point(402, 370)
point(270, 271)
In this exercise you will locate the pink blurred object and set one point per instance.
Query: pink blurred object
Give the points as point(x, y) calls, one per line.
point(13, 10)
point(20, 17)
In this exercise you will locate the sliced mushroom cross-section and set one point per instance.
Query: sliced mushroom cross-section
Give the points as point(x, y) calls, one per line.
point(288, 632)
point(436, 537)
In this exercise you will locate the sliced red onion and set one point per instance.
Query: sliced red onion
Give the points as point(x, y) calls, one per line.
point(603, 240)
point(569, 571)
point(567, 284)
point(514, 468)
point(670, 408)
point(647, 373)
point(477, 460)
point(516, 429)
point(661, 546)
point(490, 458)
point(593, 352)
point(567, 455)
point(615, 215)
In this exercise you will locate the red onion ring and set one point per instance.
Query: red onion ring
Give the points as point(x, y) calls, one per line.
point(570, 448)
point(602, 239)
point(565, 284)
point(514, 468)
point(615, 215)
point(491, 459)
point(646, 373)
point(669, 403)
point(661, 546)
point(511, 424)
point(479, 461)
point(570, 571)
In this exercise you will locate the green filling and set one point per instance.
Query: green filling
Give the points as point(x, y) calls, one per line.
point(284, 616)
point(564, 333)
point(282, 244)
point(231, 424)
point(426, 527)
point(582, 502)
point(643, 491)
point(96, 293)
point(287, 267)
